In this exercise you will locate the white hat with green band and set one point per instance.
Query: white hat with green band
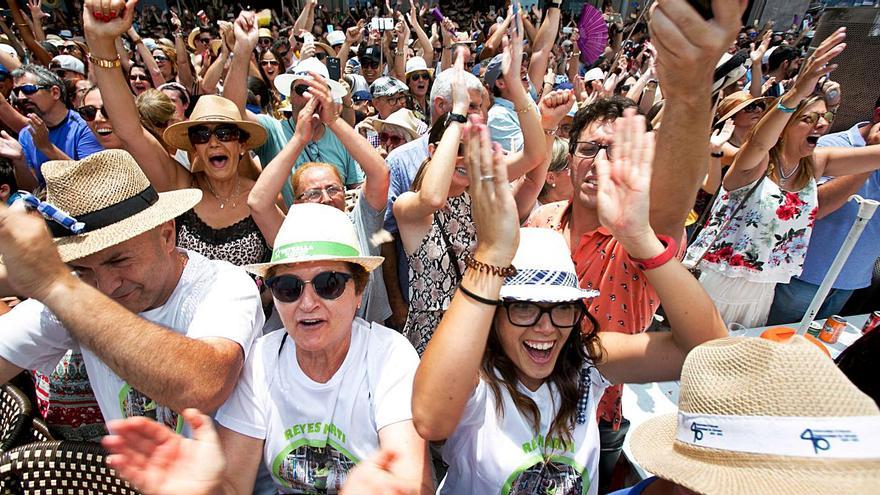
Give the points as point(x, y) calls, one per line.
point(316, 232)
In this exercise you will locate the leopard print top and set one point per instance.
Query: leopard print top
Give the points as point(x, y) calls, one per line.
point(241, 243)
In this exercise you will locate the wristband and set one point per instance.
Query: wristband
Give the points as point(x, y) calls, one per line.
point(784, 109)
point(661, 259)
point(105, 63)
point(717, 155)
point(479, 299)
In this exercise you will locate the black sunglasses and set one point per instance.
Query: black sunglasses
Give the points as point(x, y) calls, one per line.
point(320, 55)
point(160, 58)
point(138, 77)
point(205, 40)
point(28, 89)
point(372, 64)
point(289, 288)
point(755, 106)
point(201, 134)
point(423, 75)
point(89, 112)
point(527, 314)
point(269, 62)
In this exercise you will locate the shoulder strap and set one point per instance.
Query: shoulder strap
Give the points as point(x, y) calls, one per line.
point(449, 250)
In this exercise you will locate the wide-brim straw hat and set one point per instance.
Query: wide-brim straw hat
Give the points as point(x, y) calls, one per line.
point(544, 270)
point(316, 232)
point(212, 109)
point(110, 194)
point(766, 409)
point(404, 119)
point(191, 38)
point(329, 50)
point(735, 102)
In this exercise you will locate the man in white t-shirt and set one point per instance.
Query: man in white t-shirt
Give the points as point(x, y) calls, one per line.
point(160, 328)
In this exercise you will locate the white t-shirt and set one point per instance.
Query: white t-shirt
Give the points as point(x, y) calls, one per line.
point(212, 299)
point(488, 454)
point(315, 432)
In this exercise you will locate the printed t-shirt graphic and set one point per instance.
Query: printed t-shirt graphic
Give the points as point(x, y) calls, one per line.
point(133, 403)
point(312, 462)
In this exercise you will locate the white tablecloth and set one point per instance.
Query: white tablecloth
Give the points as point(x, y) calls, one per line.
point(644, 401)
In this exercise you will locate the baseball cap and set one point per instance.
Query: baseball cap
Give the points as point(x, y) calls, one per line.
point(361, 96)
point(372, 52)
point(594, 74)
point(493, 71)
point(335, 38)
point(69, 62)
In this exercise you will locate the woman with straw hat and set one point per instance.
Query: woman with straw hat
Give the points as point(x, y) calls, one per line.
point(745, 111)
point(218, 140)
point(513, 375)
point(327, 388)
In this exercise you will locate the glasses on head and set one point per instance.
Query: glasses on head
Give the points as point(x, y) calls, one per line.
point(370, 64)
point(160, 58)
point(755, 106)
point(201, 134)
point(392, 139)
point(812, 118)
point(289, 288)
point(420, 75)
point(317, 194)
point(28, 89)
point(589, 149)
point(89, 112)
point(527, 314)
point(138, 77)
point(266, 63)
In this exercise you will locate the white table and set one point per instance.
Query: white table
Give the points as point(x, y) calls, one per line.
point(644, 401)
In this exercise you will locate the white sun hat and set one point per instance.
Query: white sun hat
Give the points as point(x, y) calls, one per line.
point(417, 64)
point(544, 270)
point(301, 71)
point(316, 232)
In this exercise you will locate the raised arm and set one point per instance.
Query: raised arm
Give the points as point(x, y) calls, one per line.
point(147, 57)
point(624, 188)
point(398, 69)
point(425, 42)
point(246, 36)
point(687, 46)
point(303, 21)
point(751, 162)
point(215, 71)
point(450, 367)
point(163, 171)
point(353, 36)
point(846, 161)
point(184, 68)
point(544, 42)
point(36, 9)
point(43, 57)
point(756, 89)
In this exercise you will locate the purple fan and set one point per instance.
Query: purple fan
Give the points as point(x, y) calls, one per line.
point(592, 34)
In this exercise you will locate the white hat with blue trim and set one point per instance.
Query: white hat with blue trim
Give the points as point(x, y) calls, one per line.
point(544, 270)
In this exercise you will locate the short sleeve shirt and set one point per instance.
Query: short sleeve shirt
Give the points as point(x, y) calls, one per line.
point(72, 136)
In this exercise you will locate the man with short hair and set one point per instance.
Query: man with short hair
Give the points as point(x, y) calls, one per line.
point(55, 132)
point(160, 328)
point(388, 96)
point(783, 64)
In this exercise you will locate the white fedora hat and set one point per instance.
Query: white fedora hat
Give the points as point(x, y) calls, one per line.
point(316, 232)
point(544, 270)
point(302, 70)
point(417, 64)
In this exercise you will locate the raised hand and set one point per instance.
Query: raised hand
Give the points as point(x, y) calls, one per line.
point(818, 64)
point(9, 147)
point(721, 136)
point(307, 119)
point(554, 106)
point(624, 181)
point(492, 204)
point(39, 132)
point(460, 96)
point(246, 30)
point(160, 462)
point(319, 91)
point(757, 54)
point(175, 21)
point(107, 19)
point(36, 8)
point(355, 33)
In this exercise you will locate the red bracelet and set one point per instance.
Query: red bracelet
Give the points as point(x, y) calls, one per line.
point(662, 258)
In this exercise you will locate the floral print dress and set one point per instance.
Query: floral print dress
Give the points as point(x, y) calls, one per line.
point(767, 240)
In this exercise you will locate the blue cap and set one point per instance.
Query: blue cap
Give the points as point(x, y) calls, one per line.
point(3, 70)
point(565, 85)
point(361, 96)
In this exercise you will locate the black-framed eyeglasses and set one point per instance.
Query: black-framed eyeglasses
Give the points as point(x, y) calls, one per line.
point(266, 41)
point(89, 112)
point(28, 89)
point(755, 106)
point(812, 118)
point(528, 314)
point(289, 288)
point(316, 194)
point(394, 99)
point(589, 149)
point(201, 134)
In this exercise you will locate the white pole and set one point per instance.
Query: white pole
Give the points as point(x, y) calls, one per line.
point(867, 207)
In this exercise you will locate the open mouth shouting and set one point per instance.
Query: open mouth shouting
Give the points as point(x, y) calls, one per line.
point(218, 160)
point(539, 351)
point(813, 139)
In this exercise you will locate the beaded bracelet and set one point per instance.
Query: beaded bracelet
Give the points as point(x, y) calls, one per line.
point(481, 267)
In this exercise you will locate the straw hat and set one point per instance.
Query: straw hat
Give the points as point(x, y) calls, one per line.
point(110, 194)
point(544, 270)
point(329, 50)
point(735, 102)
point(316, 232)
point(404, 118)
point(213, 110)
point(754, 417)
point(264, 33)
point(191, 38)
point(417, 64)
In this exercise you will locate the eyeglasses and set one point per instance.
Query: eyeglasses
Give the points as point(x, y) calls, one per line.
point(201, 134)
point(289, 288)
point(28, 89)
point(394, 99)
point(527, 314)
point(420, 75)
point(589, 149)
point(315, 195)
point(160, 58)
point(89, 112)
point(755, 106)
point(265, 41)
point(138, 77)
point(284, 53)
point(266, 63)
point(392, 139)
point(812, 118)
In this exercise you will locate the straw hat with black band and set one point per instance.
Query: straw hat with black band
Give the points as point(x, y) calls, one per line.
point(757, 416)
point(109, 193)
point(735, 102)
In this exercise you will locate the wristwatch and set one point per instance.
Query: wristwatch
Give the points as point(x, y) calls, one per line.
point(455, 117)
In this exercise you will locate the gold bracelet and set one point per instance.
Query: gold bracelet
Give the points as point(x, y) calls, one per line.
point(524, 110)
point(105, 63)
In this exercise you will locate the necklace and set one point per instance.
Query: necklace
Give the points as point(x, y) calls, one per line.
point(782, 172)
point(228, 199)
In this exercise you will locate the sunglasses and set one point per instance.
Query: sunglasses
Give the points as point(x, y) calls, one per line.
point(201, 134)
point(315, 195)
point(371, 64)
point(589, 149)
point(265, 41)
point(755, 107)
point(204, 40)
point(320, 55)
point(89, 112)
point(266, 63)
point(327, 285)
point(812, 118)
point(421, 75)
point(138, 77)
point(527, 314)
point(62, 73)
point(28, 89)
point(284, 53)
point(392, 139)
point(160, 58)
point(67, 48)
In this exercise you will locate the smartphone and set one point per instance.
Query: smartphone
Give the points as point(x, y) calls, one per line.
point(387, 24)
point(567, 30)
point(703, 7)
point(333, 69)
point(374, 24)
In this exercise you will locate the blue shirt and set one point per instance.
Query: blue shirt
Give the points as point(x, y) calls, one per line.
point(72, 136)
point(504, 127)
point(829, 232)
point(327, 149)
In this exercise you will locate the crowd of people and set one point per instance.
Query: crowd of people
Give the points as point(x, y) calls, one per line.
point(380, 250)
